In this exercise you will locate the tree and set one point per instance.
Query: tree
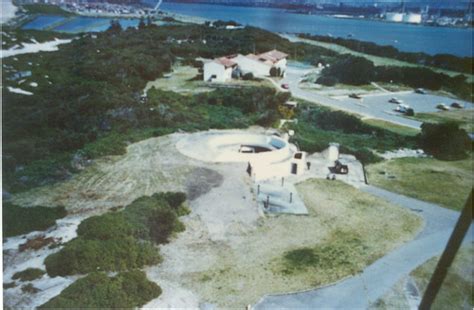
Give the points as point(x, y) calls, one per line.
point(274, 72)
point(141, 24)
point(115, 26)
point(351, 70)
point(444, 141)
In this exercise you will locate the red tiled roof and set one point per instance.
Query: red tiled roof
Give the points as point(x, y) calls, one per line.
point(226, 62)
point(273, 55)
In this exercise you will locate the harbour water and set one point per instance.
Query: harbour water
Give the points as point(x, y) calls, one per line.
point(409, 38)
point(76, 24)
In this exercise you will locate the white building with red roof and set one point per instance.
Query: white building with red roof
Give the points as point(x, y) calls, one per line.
point(260, 65)
point(219, 70)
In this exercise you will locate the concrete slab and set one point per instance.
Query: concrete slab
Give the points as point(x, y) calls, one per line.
point(283, 199)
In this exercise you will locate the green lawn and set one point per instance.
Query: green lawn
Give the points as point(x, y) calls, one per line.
point(399, 129)
point(456, 290)
point(447, 183)
point(465, 118)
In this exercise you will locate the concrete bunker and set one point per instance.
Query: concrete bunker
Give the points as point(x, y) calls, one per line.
point(267, 156)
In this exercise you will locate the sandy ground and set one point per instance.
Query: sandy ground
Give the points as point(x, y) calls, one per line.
point(8, 11)
point(230, 254)
point(29, 48)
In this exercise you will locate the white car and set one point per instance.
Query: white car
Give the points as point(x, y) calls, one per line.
point(402, 108)
point(443, 107)
point(395, 100)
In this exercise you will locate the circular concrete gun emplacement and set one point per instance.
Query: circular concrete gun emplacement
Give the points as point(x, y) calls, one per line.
point(268, 155)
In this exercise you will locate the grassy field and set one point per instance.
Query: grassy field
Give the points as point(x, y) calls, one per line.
point(456, 290)
point(402, 130)
point(321, 248)
point(463, 117)
point(442, 182)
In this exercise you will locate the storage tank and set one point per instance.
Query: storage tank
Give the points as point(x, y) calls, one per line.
point(412, 18)
point(394, 17)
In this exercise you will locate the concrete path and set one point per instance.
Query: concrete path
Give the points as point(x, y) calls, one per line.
point(360, 291)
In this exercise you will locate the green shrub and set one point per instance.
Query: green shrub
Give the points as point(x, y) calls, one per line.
point(81, 256)
point(410, 112)
point(127, 290)
point(8, 285)
point(351, 70)
point(445, 141)
point(121, 240)
point(29, 288)
point(327, 80)
point(318, 126)
point(105, 227)
point(21, 220)
point(29, 274)
point(248, 76)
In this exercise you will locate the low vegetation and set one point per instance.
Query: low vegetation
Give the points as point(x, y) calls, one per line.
point(30, 289)
point(127, 290)
point(443, 61)
point(318, 126)
point(45, 9)
point(121, 240)
point(29, 274)
point(95, 98)
point(447, 183)
point(21, 220)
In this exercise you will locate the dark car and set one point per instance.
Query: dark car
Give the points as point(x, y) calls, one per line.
point(285, 86)
point(340, 168)
point(355, 96)
point(456, 105)
point(420, 91)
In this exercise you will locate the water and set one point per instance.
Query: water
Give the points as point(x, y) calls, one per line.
point(410, 38)
point(76, 24)
point(43, 22)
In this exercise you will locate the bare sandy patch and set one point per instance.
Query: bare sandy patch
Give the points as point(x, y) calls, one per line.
point(247, 263)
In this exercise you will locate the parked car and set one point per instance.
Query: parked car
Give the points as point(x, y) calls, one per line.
point(456, 105)
point(340, 168)
point(285, 86)
point(395, 100)
point(402, 108)
point(355, 96)
point(420, 91)
point(443, 107)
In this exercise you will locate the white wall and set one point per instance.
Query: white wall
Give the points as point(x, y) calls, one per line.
point(213, 68)
point(247, 65)
point(281, 64)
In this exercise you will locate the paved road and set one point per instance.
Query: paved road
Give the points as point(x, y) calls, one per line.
point(360, 291)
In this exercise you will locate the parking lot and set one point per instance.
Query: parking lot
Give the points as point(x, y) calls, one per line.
point(373, 105)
